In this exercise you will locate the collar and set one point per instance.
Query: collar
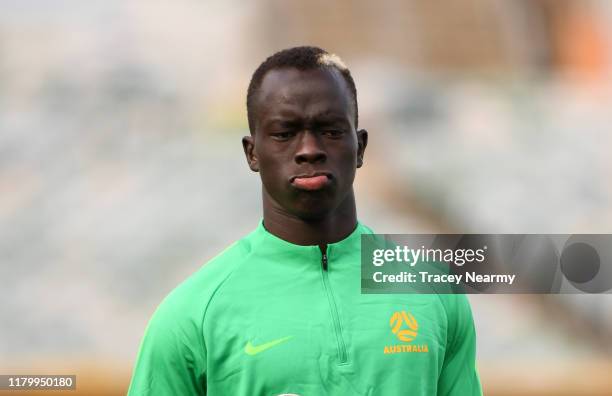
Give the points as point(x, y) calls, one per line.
point(263, 242)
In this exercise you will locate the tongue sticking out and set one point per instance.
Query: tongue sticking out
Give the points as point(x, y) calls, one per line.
point(310, 183)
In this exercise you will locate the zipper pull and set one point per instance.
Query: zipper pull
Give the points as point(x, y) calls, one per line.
point(324, 261)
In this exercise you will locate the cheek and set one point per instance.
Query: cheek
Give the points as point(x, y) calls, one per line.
point(349, 158)
point(269, 160)
point(347, 167)
point(272, 174)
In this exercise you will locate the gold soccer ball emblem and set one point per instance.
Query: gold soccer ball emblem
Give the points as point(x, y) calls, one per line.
point(399, 318)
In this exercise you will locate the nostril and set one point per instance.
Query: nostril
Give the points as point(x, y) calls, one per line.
point(310, 157)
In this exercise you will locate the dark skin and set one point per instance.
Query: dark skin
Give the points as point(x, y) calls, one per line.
point(305, 130)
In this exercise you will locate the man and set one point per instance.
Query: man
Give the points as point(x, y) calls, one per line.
point(280, 311)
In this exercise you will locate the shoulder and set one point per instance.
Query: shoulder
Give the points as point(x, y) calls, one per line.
point(177, 322)
point(458, 315)
point(190, 299)
point(172, 354)
point(455, 305)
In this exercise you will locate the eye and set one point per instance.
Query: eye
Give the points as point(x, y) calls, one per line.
point(283, 135)
point(333, 133)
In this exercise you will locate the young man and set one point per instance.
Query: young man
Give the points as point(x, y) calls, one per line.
point(280, 311)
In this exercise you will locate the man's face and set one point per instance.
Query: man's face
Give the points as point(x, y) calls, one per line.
point(305, 146)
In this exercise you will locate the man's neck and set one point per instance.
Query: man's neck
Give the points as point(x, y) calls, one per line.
point(331, 228)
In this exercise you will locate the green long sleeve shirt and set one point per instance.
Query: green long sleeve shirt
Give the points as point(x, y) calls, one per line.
point(267, 317)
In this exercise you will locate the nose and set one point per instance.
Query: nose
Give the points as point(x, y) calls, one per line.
point(309, 149)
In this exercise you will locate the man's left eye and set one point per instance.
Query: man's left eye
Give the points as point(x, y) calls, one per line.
point(333, 132)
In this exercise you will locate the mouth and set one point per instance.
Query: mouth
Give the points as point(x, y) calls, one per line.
point(311, 182)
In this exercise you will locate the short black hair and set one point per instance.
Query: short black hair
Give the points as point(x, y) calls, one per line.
point(301, 58)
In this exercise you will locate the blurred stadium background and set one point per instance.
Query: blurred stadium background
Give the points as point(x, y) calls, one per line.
point(121, 169)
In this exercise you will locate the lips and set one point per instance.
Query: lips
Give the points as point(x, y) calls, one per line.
point(311, 182)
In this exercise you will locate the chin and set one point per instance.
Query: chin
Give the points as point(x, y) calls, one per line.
point(314, 207)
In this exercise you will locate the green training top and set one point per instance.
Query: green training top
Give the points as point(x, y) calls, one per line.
point(267, 317)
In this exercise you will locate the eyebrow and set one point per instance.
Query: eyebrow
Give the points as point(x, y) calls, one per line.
point(284, 122)
point(325, 122)
point(326, 118)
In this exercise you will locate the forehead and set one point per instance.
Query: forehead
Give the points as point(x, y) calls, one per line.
point(304, 93)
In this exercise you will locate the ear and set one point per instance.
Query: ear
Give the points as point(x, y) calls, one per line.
point(362, 142)
point(248, 144)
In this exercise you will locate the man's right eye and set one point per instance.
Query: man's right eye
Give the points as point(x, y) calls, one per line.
point(284, 135)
